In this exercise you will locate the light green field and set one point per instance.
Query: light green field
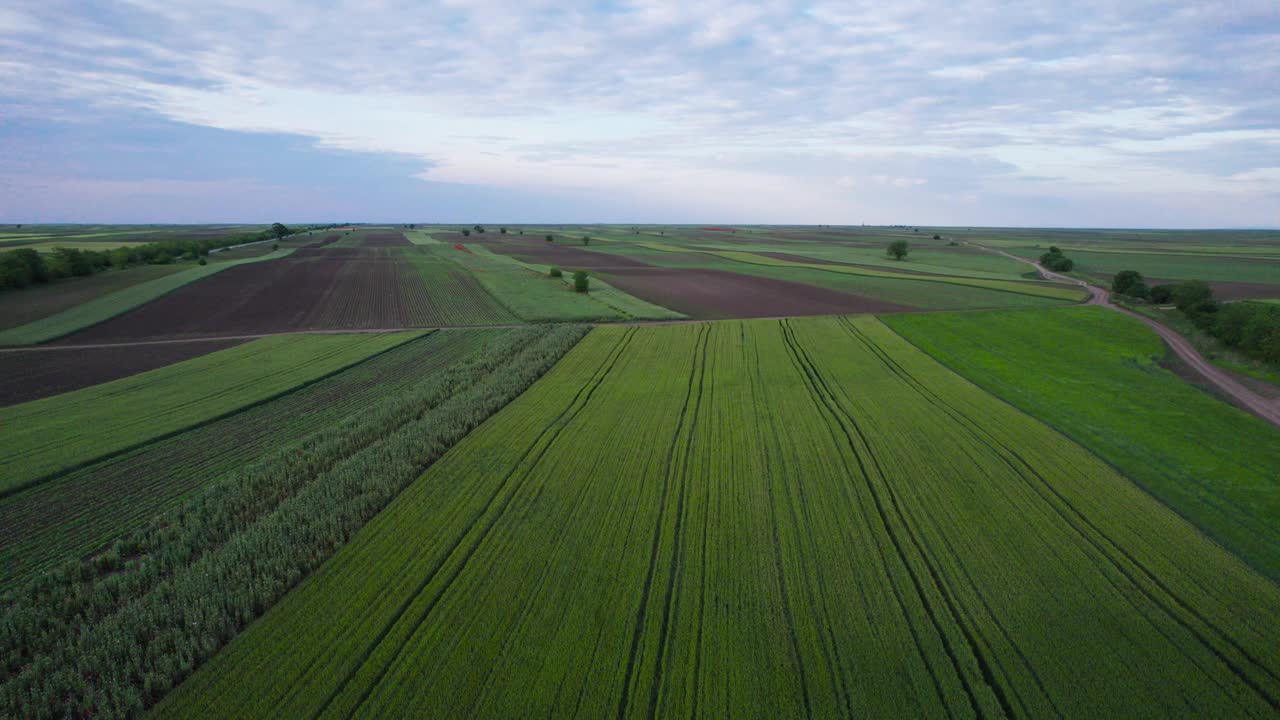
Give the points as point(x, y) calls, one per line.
point(59, 433)
point(804, 518)
point(529, 295)
point(1094, 374)
point(627, 305)
point(108, 306)
point(1058, 292)
point(1172, 267)
point(51, 245)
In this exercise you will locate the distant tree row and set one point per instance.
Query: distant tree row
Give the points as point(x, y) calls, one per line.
point(23, 267)
point(1251, 328)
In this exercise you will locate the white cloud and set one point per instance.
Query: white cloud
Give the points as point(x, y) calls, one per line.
point(648, 97)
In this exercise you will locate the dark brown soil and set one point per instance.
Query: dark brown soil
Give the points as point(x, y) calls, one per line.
point(385, 238)
point(719, 294)
point(34, 374)
point(566, 256)
point(312, 289)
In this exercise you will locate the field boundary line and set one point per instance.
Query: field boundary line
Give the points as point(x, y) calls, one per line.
point(553, 428)
point(4, 494)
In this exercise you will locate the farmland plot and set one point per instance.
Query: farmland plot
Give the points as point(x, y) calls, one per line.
point(1095, 375)
point(71, 516)
point(791, 519)
point(51, 436)
point(108, 636)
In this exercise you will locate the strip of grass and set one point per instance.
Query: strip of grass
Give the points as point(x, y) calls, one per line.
point(529, 295)
point(1095, 375)
point(804, 518)
point(112, 304)
point(627, 305)
point(56, 434)
point(1036, 289)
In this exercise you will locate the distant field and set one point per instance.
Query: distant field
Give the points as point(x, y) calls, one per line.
point(802, 518)
point(60, 433)
point(27, 376)
point(1093, 375)
point(77, 513)
point(103, 307)
point(19, 307)
point(1174, 267)
point(528, 295)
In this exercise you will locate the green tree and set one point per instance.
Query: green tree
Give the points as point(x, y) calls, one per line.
point(898, 249)
point(279, 230)
point(555, 272)
point(580, 281)
point(1190, 293)
point(551, 238)
point(1160, 294)
point(466, 233)
point(586, 240)
point(1129, 282)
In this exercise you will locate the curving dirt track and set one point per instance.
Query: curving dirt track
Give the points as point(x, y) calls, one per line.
point(1266, 408)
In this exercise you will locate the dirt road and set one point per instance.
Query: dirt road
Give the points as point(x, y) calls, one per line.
point(1219, 379)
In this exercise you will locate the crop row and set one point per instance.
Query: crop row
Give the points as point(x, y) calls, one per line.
point(111, 644)
point(1095, 375)
point(57, 434)
point(777, 519)
point(68, 517)
point(455, 296)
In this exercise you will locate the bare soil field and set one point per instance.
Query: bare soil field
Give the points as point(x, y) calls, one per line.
point(312, 289)
point(566, 256)
point(31, 375)
point(19, 307)
point(385, 238)
point(719, 294)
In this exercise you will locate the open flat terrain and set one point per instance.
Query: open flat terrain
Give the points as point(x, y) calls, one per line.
point(391, 471)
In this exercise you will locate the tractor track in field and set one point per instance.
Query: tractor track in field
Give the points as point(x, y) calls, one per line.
point(1220, 380)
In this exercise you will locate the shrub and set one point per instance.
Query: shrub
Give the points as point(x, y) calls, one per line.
point(1056, 261)
point(1129, 282)
point(555, 272)
point(580, 281)
point(466, 233)
point(898, 249)
point(275, 246)
point(586, 240)
point(551, 238)
point(1160, 294)
point(202, 261)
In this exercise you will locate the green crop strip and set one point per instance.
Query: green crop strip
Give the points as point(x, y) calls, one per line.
point(1094, 375)
point(805, 518)
point(108, 640)
point(1061, 293)
point(67, 518)
point(48, 437)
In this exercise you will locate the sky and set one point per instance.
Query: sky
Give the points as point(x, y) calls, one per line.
point(922, 112)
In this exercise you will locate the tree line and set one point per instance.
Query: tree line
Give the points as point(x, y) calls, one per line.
point(1251, 328)
point(23, 267)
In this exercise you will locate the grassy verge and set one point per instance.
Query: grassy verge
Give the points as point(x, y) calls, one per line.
point(1207, 345)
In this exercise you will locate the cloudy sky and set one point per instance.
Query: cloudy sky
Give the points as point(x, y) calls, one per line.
point(1115, 113)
